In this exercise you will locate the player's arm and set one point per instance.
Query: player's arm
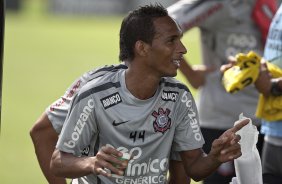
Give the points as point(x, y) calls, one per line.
point(44, 139)
point(67, 165)
point(198, 165)
point(177, 173)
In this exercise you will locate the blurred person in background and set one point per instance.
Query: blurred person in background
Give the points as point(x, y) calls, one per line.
point(272, 88)
point(269, 84)
point(226, 28)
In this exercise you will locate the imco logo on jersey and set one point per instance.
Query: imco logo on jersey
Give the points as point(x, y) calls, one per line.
point(153, 170)
point(192, 115)
point(80, 123)
point(111, 100)
point(169, 96)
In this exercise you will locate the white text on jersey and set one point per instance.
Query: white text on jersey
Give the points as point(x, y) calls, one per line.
point(111, 100)
point(192, 116)
point(169, 96)
point(80, 124)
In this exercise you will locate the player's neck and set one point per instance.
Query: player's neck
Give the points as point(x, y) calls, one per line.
point(141, 85)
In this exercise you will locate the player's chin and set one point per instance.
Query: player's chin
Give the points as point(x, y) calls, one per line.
point(172, 73)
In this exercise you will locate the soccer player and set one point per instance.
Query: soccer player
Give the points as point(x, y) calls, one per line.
point(226, 28)
point(142, 111)
point(45, 131)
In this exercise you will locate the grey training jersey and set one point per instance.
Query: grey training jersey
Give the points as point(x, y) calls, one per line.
point(106, 113)
point(226, 28)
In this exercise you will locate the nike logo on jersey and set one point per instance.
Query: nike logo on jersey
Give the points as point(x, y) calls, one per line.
point(117, 124)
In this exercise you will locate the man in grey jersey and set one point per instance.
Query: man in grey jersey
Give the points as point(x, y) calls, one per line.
point(226, 28)
point(142, 111)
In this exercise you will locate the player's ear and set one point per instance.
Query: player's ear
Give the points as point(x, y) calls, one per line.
point(141, 48)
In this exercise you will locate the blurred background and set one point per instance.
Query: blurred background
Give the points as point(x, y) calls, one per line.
point(48, 44)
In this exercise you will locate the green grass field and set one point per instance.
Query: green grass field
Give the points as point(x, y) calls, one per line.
point(43, 55)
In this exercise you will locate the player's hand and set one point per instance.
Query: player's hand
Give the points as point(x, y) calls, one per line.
point(107, 160)
point(227, 146)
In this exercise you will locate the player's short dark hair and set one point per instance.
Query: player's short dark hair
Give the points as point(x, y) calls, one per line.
point(138, 25)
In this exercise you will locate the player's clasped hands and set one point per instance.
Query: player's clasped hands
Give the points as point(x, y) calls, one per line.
point(107, 162)
point(227, 146)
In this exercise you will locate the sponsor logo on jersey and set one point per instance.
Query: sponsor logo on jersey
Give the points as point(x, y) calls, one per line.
point(169, 96)
point(151, 170)
point(80, 123)
point(162, 120)
point(86, 151)
point(111, 100)
point(192, 115)
point(119, 123)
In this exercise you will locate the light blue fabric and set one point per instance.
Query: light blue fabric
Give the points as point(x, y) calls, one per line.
point(272, 128)
point(273, 47)
point(273, 53)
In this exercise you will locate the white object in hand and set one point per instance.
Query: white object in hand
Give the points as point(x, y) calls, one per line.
point(248, 166)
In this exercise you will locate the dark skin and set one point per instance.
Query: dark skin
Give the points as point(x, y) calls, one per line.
point(177, 173)
point(153, 61)
point(195, 75)
point(263, 82)
point(43, 133)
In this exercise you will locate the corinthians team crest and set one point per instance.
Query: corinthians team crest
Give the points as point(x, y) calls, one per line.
point(162, 122)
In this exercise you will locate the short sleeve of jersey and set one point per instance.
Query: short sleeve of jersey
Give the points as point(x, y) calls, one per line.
point(193, 13)
point(80, 125)
point(188, 134)
point(58, 110)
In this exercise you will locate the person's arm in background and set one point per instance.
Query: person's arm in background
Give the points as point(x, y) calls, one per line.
point(195, 75)
point(44, 139)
